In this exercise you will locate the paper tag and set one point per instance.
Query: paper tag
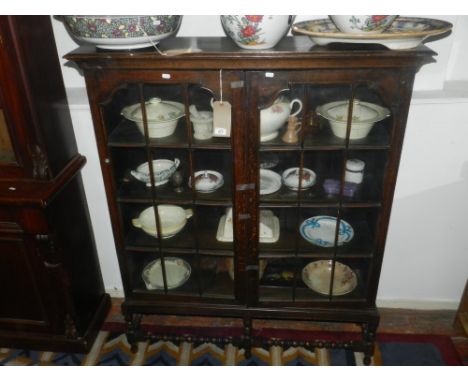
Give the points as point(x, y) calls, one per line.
point(221, 119)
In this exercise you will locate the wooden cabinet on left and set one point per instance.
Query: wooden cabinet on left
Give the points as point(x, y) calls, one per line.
point(51, 291)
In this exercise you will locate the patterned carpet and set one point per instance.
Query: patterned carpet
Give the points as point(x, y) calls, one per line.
point(112, 349)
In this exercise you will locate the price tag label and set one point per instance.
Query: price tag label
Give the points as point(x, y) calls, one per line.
point(221, 119)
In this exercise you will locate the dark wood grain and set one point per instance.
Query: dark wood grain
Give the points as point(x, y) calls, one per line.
point(52, 295)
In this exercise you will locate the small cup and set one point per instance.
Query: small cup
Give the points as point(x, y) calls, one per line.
point(202, 125)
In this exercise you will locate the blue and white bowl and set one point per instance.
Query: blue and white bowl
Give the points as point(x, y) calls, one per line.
point(320, 230)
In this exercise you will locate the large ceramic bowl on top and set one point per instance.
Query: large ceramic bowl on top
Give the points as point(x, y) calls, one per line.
point(256, 31)
point(362, 23)
point(162, 116)
point(162, 170)
point(274, 117)
point(122, 32)
point(172, 218)
point(365, 115)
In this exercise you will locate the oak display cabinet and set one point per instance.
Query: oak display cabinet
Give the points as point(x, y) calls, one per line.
point(52, 296)
point(310, 252)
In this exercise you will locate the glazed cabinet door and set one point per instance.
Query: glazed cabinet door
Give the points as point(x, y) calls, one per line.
point(15, 123)
point(170, 181)
point(26, 299)
point(323, 144)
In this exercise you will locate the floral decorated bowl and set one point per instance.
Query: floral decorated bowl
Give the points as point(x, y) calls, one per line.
point(162, 169)
point(256, 31)
point(291, 178)
point(317, 275)
point(362, 23)
point(122, 32)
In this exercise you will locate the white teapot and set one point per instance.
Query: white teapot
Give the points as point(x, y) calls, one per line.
point(274, 117)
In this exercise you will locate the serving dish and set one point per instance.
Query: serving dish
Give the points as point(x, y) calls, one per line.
point(122, 32)
point(270, 182)
point(320, 230)
point(269, 227)
point(317, 275)
point(162, 169)
point(291, 178)
point(177, 273)
point(162, 116)
point(404, 33)
point(172, 218)
point(207, 181)
point(365, 115)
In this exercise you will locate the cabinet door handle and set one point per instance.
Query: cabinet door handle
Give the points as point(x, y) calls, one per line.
point(245, 186)
point(50, 265)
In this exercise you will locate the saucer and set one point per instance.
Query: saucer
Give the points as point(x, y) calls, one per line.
point(404, 33)
point(270, 182)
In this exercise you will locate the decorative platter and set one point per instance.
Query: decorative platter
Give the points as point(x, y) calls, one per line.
point(177, 273)
point(404, 33)
point(320, 230)
point(317, 276)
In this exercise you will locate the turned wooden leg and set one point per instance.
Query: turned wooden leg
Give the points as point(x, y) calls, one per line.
point(368, 334)
point(133, 326)
point(247, 341)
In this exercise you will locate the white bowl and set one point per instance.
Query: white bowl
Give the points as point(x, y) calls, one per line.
point(122, 32)
point(207, 181)
point(365, 115)
point(274, 117)
point(291, 178)
point(162, 116)
point(362, 23)
point(172, 218)
point(177, 273)
point(256, 31)
point(162, 169)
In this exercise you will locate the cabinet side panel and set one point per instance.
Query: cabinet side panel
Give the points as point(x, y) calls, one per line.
point(71, 231)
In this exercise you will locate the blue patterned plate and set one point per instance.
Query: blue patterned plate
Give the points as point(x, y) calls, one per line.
point(320, 230)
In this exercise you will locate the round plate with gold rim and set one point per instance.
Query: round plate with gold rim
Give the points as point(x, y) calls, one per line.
point(404, 33)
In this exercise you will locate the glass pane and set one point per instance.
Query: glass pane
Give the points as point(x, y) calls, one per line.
point(7, 154)
point(173, 183)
